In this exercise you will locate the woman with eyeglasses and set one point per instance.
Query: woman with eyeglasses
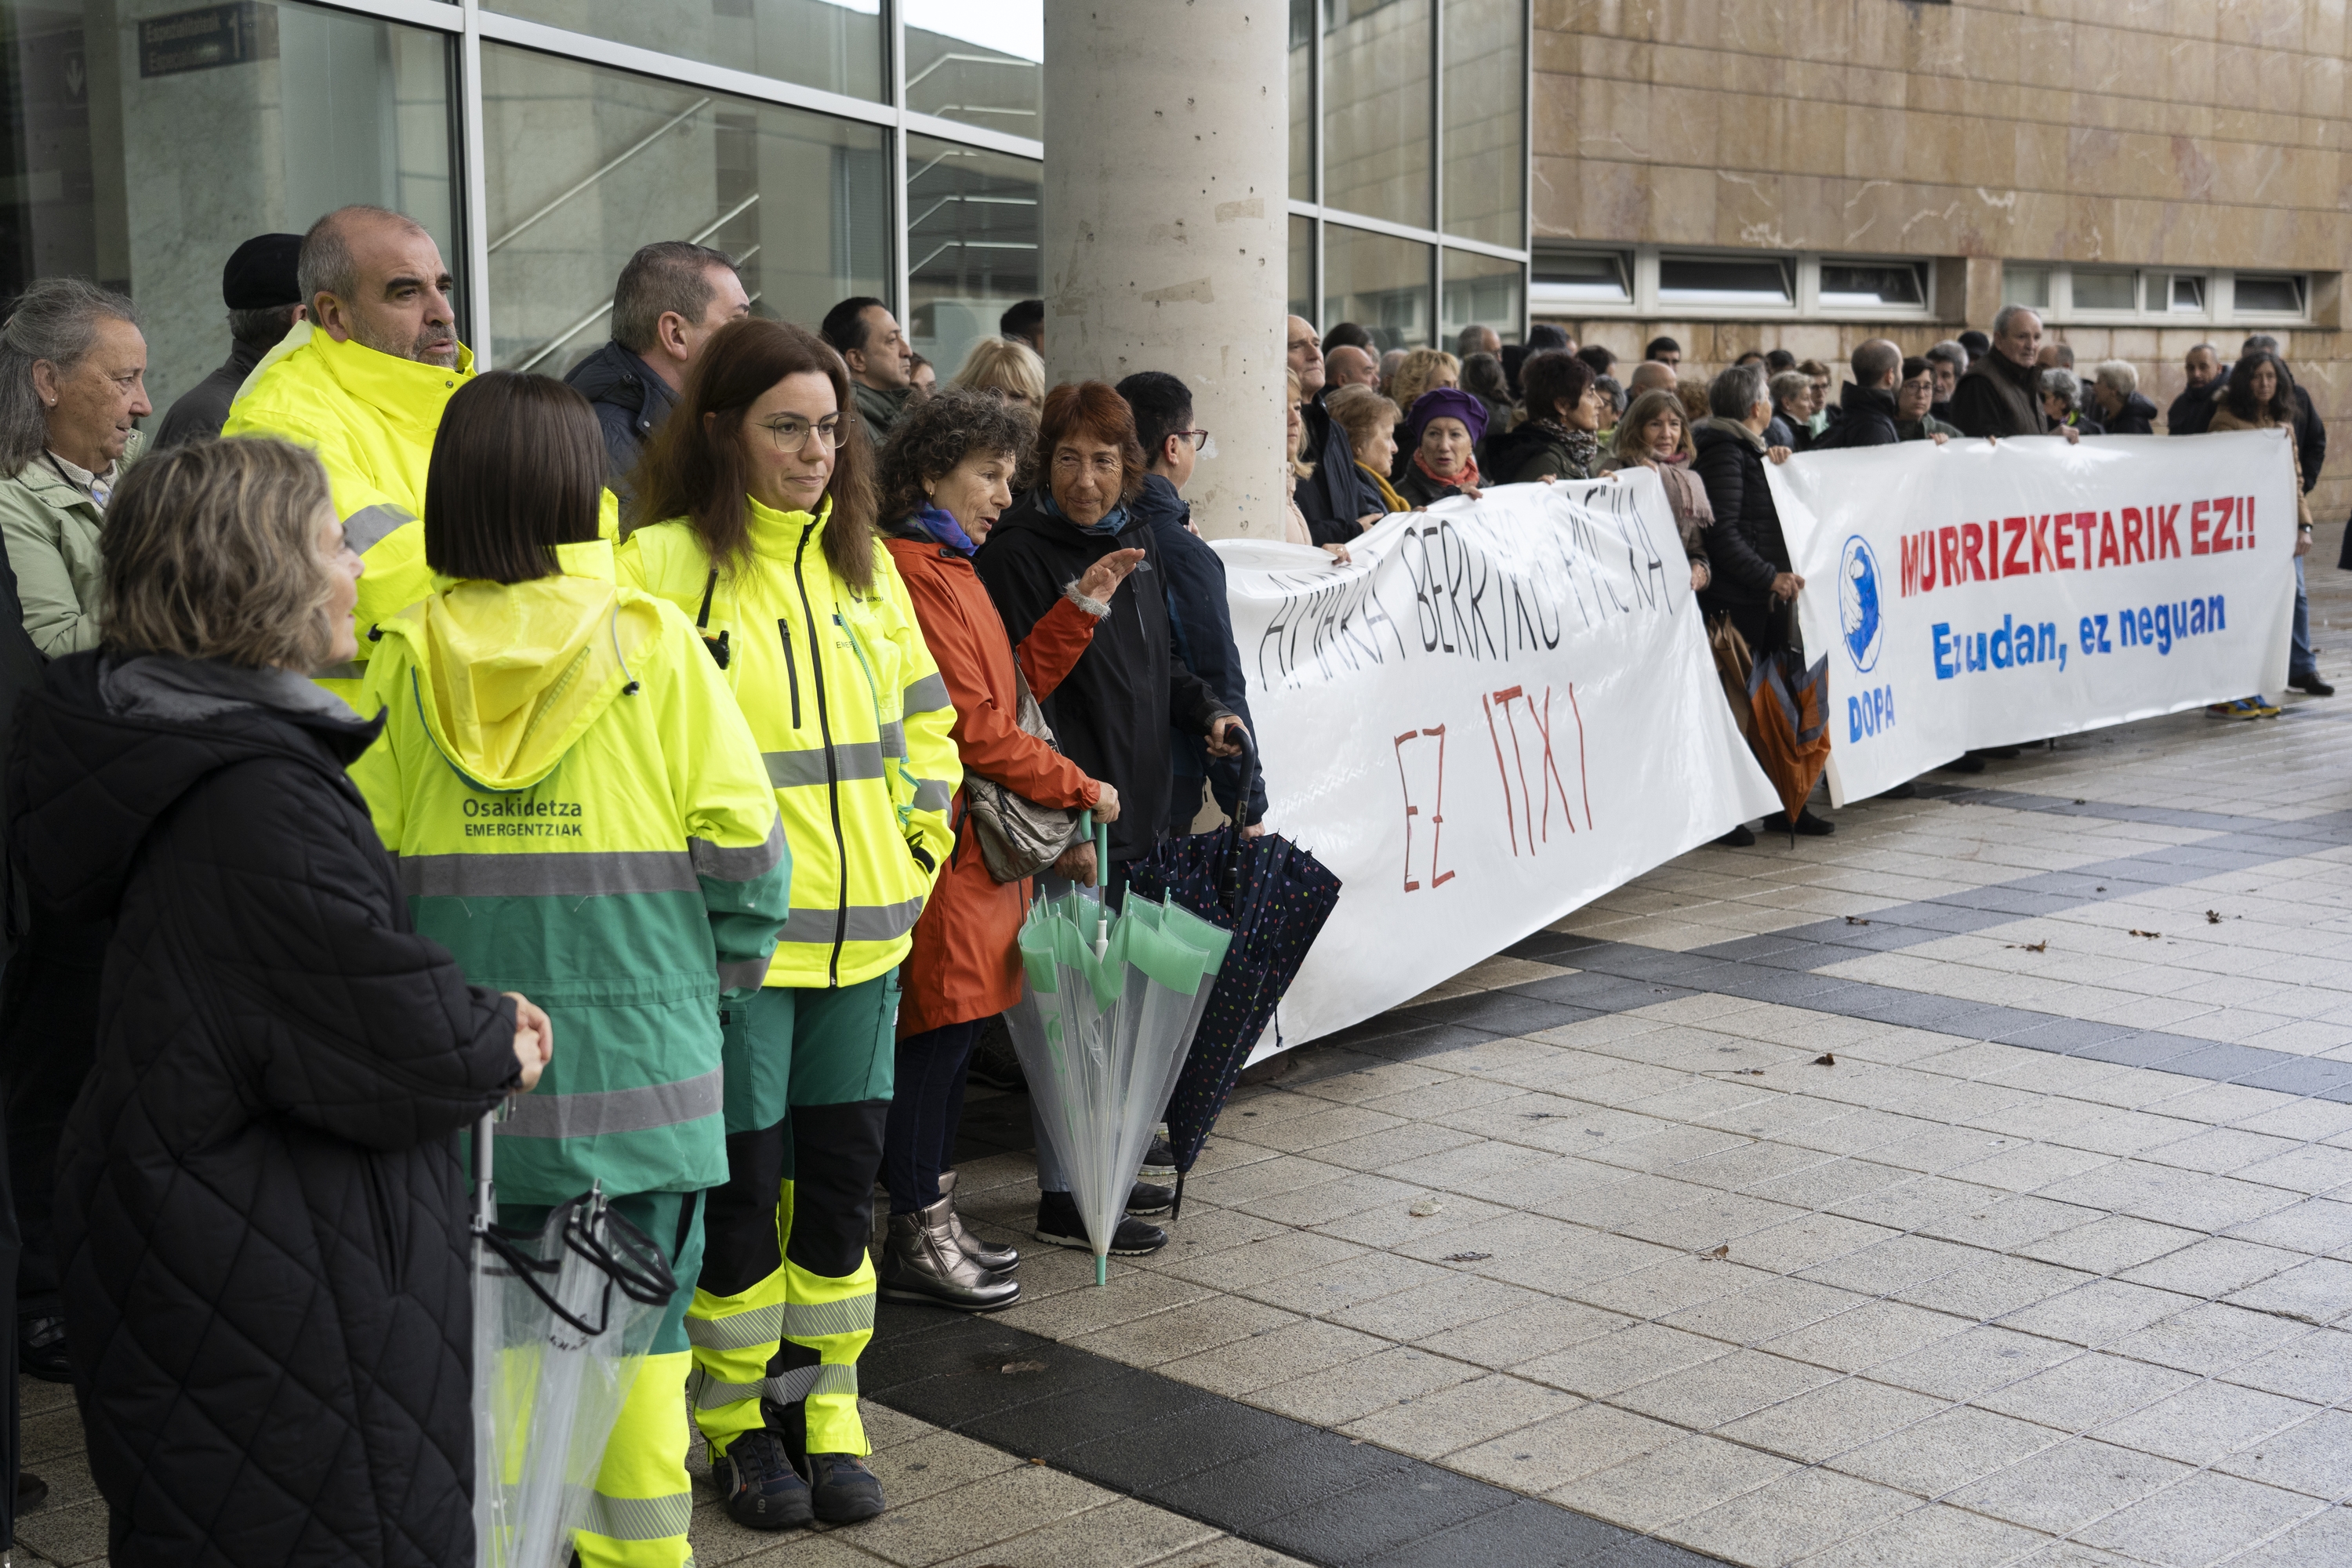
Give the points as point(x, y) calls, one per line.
point(755, 516)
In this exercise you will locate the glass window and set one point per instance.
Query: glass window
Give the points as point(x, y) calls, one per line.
point(2187, 295)
point(979, 61)
point(585, 165)
point(1870, 285)
point(1723, 280)
point(147, 140)
point(1302, 101)
point(2027, 286)
point(1482, 290)
point(2270, 293)
point(971, 245)
point(836, 45)
point(1376, 124)
point(2107, 289)
point(1583, 277)
point(1486, 131)
point(1302, 267)
point(1380, 283)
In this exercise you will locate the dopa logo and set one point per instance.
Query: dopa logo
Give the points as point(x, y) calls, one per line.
point(1858, 604)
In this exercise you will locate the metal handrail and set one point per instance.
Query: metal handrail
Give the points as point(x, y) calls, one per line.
point(696, 106)
point(592, 316)
point(971, 245)
point(983, 199)
point(969, 60)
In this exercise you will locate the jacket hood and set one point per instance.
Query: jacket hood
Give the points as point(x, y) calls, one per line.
point(613, 375)
point(107, 746)
point(1158, 504)
point(1715, 427)
point(506, 676)
point(1858, 399)
point(401, 389)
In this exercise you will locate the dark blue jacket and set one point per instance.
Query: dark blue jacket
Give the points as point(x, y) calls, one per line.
point(1202, 621)
point(630, 402)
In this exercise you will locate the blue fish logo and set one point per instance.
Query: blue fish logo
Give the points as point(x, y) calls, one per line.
point(1858, 613)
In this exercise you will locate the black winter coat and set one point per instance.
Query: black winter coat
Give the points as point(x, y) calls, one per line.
point(1745, 549)
point(630, 401)
point(1526, 453)
point(1201, 623)
point(261, 1218)
point(2137, 417)
point(1335, 495)
point(1113, 713)
point(1868, 420)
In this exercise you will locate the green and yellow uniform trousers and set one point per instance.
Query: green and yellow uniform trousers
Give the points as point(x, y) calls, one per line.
point(643, 1503)
point(785, 1302)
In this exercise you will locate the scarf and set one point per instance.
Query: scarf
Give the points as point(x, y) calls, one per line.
point(1582, 447)
point(1467, 478)
point(1389, 498)
point(942, 526)
point(1113, 521)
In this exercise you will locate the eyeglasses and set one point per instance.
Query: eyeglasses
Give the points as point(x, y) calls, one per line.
point(793, 435)
point(1199, 438)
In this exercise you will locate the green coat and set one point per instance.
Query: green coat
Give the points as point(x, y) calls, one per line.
point(51, 529)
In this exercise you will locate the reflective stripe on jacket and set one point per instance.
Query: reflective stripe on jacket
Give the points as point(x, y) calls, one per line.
point(580, 815)
point(852, 722)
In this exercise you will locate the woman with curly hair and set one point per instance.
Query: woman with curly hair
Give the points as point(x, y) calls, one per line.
point(946, 477)
point(2260, 395)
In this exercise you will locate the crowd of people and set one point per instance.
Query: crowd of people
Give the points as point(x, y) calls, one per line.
point(391, 741)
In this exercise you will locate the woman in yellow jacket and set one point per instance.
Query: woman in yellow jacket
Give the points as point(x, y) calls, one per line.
point(754, 514)
point(577, 807)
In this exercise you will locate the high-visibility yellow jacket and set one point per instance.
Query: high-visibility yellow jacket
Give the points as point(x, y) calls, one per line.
point(371, 417)
point(853, 720)
point(580, 815)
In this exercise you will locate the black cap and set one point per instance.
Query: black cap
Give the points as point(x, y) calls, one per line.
point(260, 273)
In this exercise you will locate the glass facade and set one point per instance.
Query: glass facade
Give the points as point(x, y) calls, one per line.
point(832, 147)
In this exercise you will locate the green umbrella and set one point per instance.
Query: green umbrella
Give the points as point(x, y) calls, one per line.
point(1106, 1012)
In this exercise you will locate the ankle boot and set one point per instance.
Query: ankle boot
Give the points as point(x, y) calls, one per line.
point(921, 1262)
point(996, 1259)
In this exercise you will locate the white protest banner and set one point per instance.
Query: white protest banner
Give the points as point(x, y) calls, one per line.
point(1500, 711)
point(1987, 594)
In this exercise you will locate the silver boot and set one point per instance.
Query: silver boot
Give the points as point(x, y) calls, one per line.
point(921, 1262)
point(997, 1259)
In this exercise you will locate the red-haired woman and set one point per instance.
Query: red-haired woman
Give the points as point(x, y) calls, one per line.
point(754, 514)
point(1115, 714)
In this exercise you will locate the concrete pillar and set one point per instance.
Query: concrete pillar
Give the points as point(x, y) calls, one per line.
point(1165, 227)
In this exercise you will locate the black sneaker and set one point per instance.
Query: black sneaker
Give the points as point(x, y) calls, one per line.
point(1150, 1198)
point(1813, 827)
point(1158, 1162)
point(31, 1491)
point(1906, 790)
point(41, 1350)
point(842, 1488)
point(2312, 684)
point(1970, 764)
point(1058, 1224)
point(762, 1490)
point(1740, 837)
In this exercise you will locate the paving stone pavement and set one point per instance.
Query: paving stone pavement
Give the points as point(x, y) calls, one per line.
point(1972, 1188)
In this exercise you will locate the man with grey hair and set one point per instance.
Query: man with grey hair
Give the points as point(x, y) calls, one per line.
point(671, 297)
point(362, 384)
point(1947, 362)
point(1477, 340)
point(2001, 392)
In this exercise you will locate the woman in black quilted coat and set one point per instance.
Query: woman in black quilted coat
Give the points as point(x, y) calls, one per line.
point(261, 1215)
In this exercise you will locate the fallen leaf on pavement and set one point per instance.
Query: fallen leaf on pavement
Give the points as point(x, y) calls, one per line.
point(1467, 1256)
point(1423, 1207)
point(2041, 946)
point(2212, 917)
point(1723, 1251)
point(2152, 935)
point(1855, 921)
point(1825, 1060)
point(1011, 1367)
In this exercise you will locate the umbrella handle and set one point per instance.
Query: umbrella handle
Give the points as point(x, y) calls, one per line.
point(1228, 882)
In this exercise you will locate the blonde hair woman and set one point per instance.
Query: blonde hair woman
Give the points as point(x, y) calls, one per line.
point(1012, 371)
point(1370, 422)
point(1294, 522)
point(1421, 369)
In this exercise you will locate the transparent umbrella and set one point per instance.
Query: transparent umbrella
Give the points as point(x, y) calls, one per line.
point(562, 1318)
point(1107, 1007)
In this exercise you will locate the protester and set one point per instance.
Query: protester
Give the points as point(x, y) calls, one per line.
point(2193, 409)
point(1914, 405)
point(1867, 403)
point(1550, 335)
point(2310, 430)
point(73, 368)
point(2061, 403)
point(1199, 611)
point(1477, 340)
point(1370, 422)
point(1750, 357)
point(2056, 355)
point(1662, 350)
point(1391, 362)
point(1777, 362)
point(1613, 400)
point(528, 676)
point(1112, 715)
point(1442, 433)
point(362, 382)
point(2115, 389)
point(1652, 436)
point(1949, 362)
point(1560, 437)
point(881, 361)
point(1792, 410)
point(1423, 369)
point(766, 481)
point(924, 378)
point(1335, 507)
point(1650, 375)
point(670, 298)
point(945, 477)
point(1691, 391)
point(261, 1215)
point(1602, 360)
point(2261, 396)
point(1817, 381)
point(1751, 583)
point(1008, 368)
point(1297, 468)
point(1482, 378)
point(1349, 335)
point(1347, 365)
point(264, 295)
point(1976, 344)
point(1023, 322)
point(2001, 392)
